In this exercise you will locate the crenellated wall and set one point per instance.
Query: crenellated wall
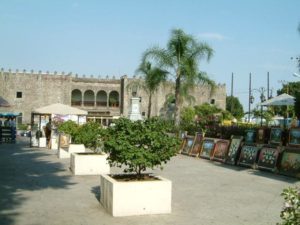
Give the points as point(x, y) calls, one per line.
point(40, 89)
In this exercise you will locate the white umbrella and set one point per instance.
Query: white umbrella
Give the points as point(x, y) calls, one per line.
point(60, 109)
point(283, 99)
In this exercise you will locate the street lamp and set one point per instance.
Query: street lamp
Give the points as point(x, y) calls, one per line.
point(262, 97)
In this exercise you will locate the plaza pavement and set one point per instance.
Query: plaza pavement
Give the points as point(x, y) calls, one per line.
point(37, 188)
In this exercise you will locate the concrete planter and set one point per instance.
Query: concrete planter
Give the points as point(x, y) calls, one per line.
point(42, 142)
point(89, 164)
point(73, 148)
point(135, 197)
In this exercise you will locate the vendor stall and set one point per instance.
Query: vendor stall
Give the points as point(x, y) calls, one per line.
point(44, 123)
point(8, 127)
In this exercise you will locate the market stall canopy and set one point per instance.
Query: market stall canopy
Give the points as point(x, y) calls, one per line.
point(60, 109)
point(3, 102)
point(9, 114)
point(283, 99)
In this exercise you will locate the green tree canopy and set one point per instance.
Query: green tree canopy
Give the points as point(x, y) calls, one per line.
point(291, 88)
point(139, 145)
point(234, 106)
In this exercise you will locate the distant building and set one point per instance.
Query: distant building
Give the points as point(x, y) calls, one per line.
point(103, 98)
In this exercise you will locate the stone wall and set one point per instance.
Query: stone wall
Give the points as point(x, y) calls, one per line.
point(202, 94)
point(38, 89)
point(41, 89)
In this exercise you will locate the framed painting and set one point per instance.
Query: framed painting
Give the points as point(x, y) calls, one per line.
point(268, 158)
point(64, 140)
point(260, 137)
point(250, 136)
point(207, 148)
point(189, 140)
point(294, 137)
point(182, 134)
point(221, 150)
point(182, 144)
point(248, 156)
point(290, 162)
point(197, 145)
point(234, 149)
point(276, 136)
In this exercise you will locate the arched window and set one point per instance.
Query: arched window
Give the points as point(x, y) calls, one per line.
point(114, 99)
point(89, 98)
point(76, 98)
point(101, 98)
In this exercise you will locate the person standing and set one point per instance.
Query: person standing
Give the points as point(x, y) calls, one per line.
point(48, 134)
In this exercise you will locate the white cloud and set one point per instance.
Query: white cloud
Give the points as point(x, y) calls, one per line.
point(213, 36)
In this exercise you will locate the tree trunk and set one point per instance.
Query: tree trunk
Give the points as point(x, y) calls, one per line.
point(149, 105)
point(177, 101)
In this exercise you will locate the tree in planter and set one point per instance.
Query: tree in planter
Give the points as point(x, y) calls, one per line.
point(139, 145)
point(91, 135)
point(71, 128)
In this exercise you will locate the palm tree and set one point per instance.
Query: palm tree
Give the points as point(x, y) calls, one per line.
point(299, 56)
point(153, 77)
point(181, 58)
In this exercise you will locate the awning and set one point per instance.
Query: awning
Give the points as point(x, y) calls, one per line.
point(9, 114)
point(280, 100)
point(60, 109)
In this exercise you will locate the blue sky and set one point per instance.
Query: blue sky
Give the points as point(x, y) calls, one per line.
point(108, 37)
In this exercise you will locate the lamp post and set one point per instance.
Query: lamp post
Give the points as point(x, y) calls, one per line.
point(251, 99)
point(262, 97)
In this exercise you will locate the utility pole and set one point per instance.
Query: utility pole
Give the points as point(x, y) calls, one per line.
point(249, 106)
point(231, 106)
point(268, 85)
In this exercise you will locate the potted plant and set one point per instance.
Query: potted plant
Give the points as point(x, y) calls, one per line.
point(69, 130)
point(138, 146)
point(93, 162)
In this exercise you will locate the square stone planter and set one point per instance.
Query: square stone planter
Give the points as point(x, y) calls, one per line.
point(129, 198)
point(89, 164)
point(42, 142)
point(73, 148)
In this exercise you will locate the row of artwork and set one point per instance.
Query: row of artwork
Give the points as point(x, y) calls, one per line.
point(279, 159)
point(273, 136)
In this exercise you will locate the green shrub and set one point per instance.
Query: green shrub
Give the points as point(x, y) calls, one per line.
point(71, 128)
point(22, 126)
point(139, 145)
point(290, 213)
point(91, 135)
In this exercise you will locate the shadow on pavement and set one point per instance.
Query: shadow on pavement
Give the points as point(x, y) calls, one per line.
point(96, 191)
point(270, 175)
point(24, 168)
point(262, 173)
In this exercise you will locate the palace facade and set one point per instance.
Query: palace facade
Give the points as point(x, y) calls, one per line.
point(103, 98)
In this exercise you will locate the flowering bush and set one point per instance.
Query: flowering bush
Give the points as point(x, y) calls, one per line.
point(139, 145)
point(290, 213)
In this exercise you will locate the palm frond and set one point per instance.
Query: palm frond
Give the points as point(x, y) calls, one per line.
point(136, 84)
point(158, 57)
point(204, 79)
